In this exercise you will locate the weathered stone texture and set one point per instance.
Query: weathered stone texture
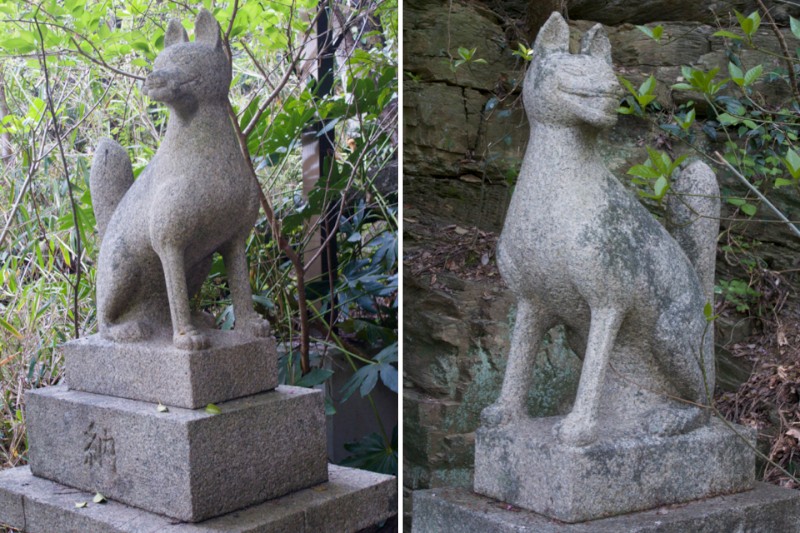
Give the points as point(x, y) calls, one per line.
point(643, 11)
point(349, 501)
point(465, 187)
point(186, 464)
point(527, 467)
point(195, 198)
point(233, 366)
point(766, 509)
point(456, 342)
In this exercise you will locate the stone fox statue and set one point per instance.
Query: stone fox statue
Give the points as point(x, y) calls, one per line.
point(196, 197)
point(580, 250)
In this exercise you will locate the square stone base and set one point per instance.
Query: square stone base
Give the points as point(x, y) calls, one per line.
point(765, 509)
point(186, 464)
point(525, 465)
point(351, 500)
point(235, 365)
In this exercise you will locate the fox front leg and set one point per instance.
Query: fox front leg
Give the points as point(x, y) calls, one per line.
point(184, 335)
point(579, 428)
point(247, 320)
point(529, 328)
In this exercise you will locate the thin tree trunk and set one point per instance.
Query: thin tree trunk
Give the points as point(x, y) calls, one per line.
point(6, 152)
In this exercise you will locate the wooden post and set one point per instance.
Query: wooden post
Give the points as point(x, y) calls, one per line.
point(317, 155)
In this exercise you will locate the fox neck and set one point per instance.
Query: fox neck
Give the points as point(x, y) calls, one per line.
point(574, 147)
point(183, 121)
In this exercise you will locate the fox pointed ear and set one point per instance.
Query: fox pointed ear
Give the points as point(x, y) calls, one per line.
point(206, 29)
point(175, 33)
point(595, 43)
point(553, 36)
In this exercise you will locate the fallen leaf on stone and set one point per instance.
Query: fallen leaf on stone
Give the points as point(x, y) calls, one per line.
point(320, 488)
point(162, 408)
point(213, 409)
point(99, 498)
point(80, 505)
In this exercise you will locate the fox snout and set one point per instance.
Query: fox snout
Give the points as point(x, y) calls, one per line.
point(160, 80)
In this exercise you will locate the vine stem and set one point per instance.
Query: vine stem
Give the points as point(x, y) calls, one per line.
point(758, 193)
point(56, 129)
point(784, 49)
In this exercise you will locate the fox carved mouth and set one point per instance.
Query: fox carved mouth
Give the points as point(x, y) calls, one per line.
point(162, 83)
point(590, 93)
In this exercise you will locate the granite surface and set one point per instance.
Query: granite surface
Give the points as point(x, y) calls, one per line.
point(349, 501)
point(186, 464)
point(232, 366)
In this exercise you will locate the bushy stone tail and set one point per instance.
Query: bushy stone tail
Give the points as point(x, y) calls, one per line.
point(110, 179)
point(693, 219)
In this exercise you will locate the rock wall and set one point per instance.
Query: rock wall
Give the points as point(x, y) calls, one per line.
point(465, 133)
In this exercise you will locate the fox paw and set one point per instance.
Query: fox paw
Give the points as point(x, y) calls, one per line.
point(132, 331)
point(574, 431)
point(190, 339)
point(675, 420)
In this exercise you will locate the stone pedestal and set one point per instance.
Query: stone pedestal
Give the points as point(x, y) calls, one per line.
point(527, 481)
point(764, 509)
point(349, 501)
point(186, 464)
point(524, 464)
point(260, 464)
point(156, 371)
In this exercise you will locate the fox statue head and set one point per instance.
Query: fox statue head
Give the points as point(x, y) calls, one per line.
point(189, 73)
point(568, 89)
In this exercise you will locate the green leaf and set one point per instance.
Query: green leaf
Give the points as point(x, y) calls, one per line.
point(628, 85)
point(18, 45)
point(745, 23)
point(213, 409)
point(687, 122)
point(753, 74)
point(389, 377)
point(727, 34)
point(727, 120)
point(315, 377)
point(748, 209)
point(373, 453)
point(661, 187)
point(783, 182)
point(466, 53)
point(708, 311)
point(11, 329)
point(647, 86)
point(645, 99)
point(756, 18)
point(795, 25)
point(792, 162)
point(736, 74)
point(643, 171)
point(647, 31)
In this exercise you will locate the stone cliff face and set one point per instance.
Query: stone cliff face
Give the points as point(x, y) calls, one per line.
point(465, 134)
